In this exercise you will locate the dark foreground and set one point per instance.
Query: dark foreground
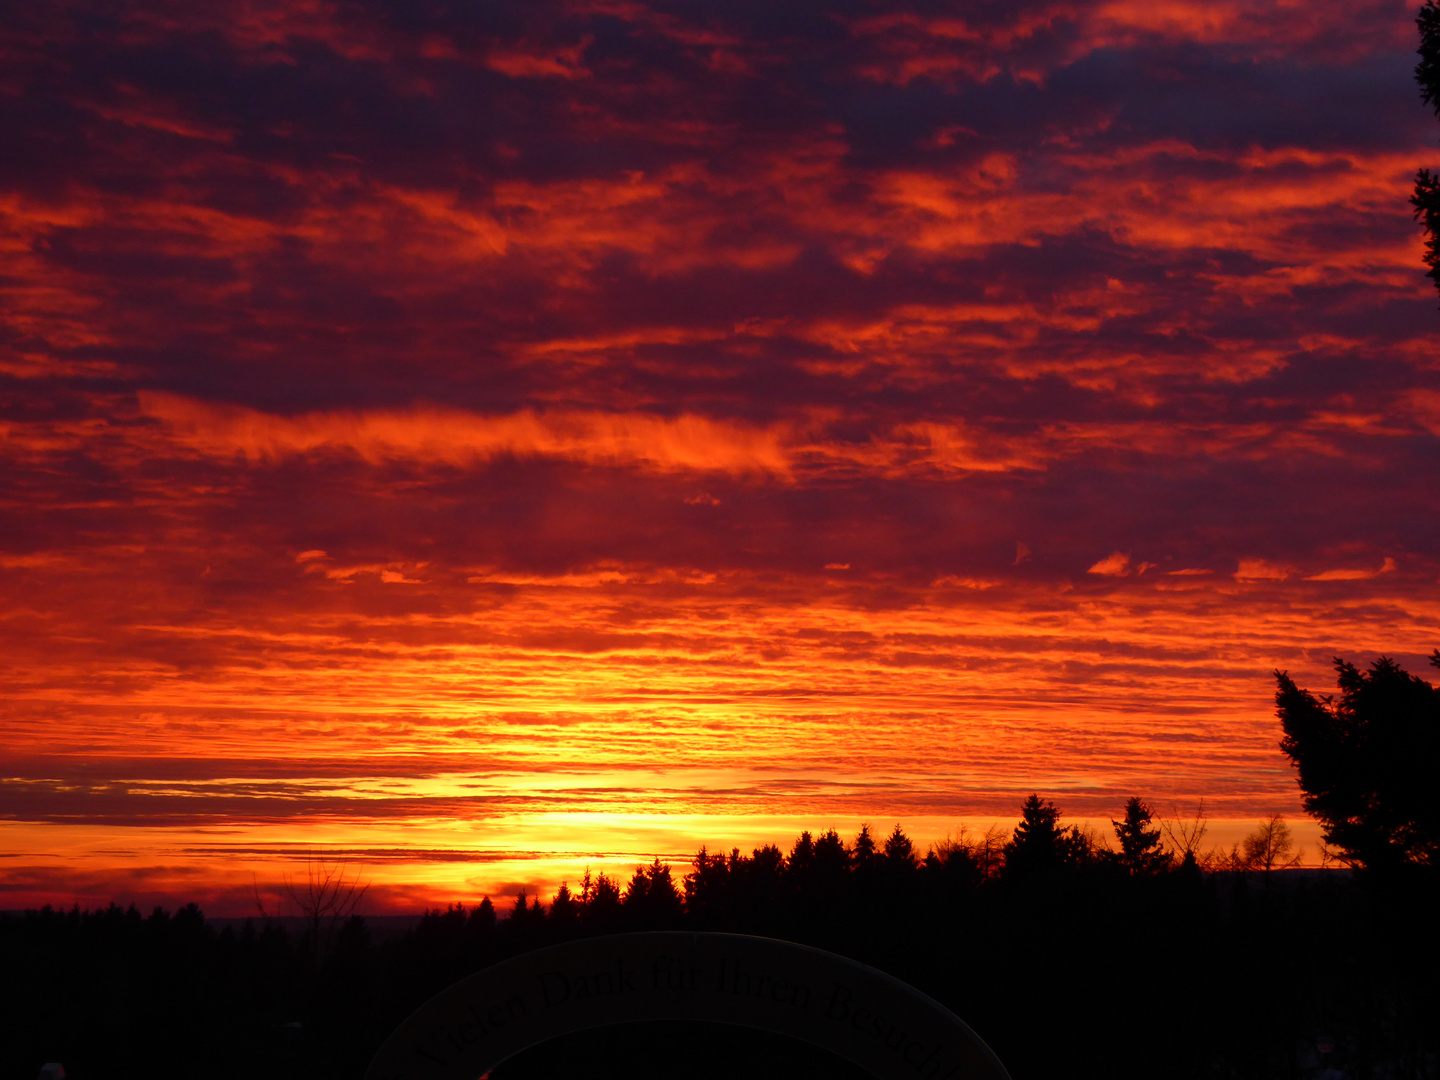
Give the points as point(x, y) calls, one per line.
point(1093, 973)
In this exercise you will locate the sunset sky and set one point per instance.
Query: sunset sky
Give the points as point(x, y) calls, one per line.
point(480, 440)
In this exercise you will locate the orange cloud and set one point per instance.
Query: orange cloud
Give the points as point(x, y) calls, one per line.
point(1116, 564)
point(449, 437)
point(1261, 570)
point(1386, 567)
point(454, 438)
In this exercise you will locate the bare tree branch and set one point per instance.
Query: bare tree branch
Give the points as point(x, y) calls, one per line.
point(1185, 834)
point(331, 892)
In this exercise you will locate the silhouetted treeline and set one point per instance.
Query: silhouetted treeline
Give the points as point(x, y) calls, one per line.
point(1071, 954)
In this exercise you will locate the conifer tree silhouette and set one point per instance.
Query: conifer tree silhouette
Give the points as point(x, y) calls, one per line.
point(802, 855)
point(480, 927)
point(832, 859)
point(1140, 850)
point(862, 853)
point(706, 887)
point(564, 910)
point(651, 899)
point(898, 863)
point(1366, 762)
point(600, 902)
point(899, 851)
point(1039, 845)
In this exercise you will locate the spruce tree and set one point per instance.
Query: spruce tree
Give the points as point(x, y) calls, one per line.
point(1140, 850)
point(1366, 762)
point(1039, 845)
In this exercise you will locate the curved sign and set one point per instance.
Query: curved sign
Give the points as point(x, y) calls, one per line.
point(861, 1014)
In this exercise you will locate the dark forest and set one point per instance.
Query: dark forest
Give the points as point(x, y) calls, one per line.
point(1071, 954)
